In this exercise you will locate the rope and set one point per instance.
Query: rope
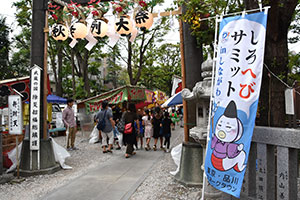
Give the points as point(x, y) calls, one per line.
point(280, 79)
point(62, 3)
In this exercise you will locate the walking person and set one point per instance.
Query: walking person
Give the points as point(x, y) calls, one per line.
point(180, 114)
point(174, 118)
point(140, 133)
point(166, 126)
point(129, 135)
point(157, 133)
point(68, 118)
point(147, 119)
point(109, 124)
point(117, 114)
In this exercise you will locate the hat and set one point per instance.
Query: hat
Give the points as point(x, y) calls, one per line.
point(230, 110)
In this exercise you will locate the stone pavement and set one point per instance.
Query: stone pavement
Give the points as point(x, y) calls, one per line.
point(115, 179)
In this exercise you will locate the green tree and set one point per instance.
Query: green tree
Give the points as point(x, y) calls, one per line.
point(160, 68)
point(294, 68)
point(20, 60)
point(139, 50)
point(4, 49)
point(272, 109)
point(280, 16)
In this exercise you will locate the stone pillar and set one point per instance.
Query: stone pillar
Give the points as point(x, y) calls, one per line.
point(190, 173)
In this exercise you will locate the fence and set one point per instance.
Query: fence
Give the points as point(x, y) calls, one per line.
point(273, 166)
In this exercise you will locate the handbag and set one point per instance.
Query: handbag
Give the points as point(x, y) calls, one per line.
point(128, 128)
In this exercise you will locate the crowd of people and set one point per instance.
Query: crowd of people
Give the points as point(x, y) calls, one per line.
point(137, 127)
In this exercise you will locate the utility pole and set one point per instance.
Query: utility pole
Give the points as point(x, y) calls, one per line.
point(38, 161)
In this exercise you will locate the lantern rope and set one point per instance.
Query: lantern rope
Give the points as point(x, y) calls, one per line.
point(62, 3)
point(80, 9)
point(168, 13)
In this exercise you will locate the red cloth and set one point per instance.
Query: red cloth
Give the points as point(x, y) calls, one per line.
point(6, 161)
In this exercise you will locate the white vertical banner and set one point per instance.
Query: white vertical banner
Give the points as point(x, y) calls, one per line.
point(236, 91)
point(15, 114)
point(35, 95)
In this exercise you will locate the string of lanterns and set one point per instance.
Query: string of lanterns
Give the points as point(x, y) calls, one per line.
point(72, 21)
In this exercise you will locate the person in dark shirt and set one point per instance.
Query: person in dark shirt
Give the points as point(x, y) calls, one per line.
point(117, 114)
point(157, 133)
point(129, 139)
point(166, 126)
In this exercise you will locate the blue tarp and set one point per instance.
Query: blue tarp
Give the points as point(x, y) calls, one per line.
point(56, 99)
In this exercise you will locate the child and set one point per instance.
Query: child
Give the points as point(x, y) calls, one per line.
point(147, 119)
point(166, 126)
point(140, 134)
point(174, 118)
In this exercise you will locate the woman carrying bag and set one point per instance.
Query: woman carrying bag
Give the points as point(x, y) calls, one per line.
point(129, 133)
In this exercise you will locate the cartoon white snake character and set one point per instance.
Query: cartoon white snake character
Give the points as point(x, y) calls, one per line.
point(226, 153)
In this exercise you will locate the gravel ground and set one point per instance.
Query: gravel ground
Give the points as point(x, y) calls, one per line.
point(37, 186)
point(160, 184)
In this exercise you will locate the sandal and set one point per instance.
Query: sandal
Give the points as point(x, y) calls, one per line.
point(127, 156)
point(108, 150)
point(154, 147)
point(104, 151)
point(133, 153)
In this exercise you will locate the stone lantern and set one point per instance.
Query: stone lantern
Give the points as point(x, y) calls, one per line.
point(201, 95)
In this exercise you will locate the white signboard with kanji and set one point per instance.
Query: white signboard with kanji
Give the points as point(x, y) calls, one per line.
point(15, 114)
point(35, 91)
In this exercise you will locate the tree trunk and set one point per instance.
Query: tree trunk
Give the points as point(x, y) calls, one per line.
point(83, 66)
point(73, 74)
point(193, 58)
point(276, 59)
point(129, 63)
point(86, 73)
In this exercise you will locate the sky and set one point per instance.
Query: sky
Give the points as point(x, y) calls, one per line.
point(8, 11)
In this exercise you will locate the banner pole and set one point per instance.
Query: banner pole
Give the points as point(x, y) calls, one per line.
point(45, 124)
point(210, 100)
point(17, 156)
point(183, 75)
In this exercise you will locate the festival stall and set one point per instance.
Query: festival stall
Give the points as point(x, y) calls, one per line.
point(126, 93)
point(89, 107)
point(8, 87)
point(158, 97)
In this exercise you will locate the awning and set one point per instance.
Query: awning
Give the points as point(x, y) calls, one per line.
point(56, 99)
point(176, 99)
point(125, 93)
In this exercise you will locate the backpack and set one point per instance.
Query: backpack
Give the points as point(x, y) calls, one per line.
point(101, 123)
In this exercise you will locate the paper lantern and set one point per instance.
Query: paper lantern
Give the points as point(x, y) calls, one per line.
point(123, 26)
point(59, 32)
point(144, 19)
point(99, 28)
point(78, 30)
